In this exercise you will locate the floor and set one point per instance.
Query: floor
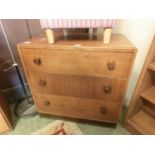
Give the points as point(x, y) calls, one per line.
point(26, 126)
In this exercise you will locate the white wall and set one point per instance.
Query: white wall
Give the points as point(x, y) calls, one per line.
point(140, 33)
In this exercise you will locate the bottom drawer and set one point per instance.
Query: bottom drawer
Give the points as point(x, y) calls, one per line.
point(106, 111)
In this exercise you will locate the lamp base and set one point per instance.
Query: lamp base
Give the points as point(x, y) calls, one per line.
point(25, 108)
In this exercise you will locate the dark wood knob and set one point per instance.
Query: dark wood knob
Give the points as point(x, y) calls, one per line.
point(103, 110)
point(42, 83)
point(37, 61)
point(107, 89)
point(47, 103)
point(111, 65)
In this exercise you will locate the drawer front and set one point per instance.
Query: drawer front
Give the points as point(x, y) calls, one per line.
point(90, 63)
point(77, 107)
point(78, 86)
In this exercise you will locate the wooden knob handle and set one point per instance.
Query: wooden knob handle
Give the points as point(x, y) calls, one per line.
point(37, 61)
point(111, 65)
point(103, 110)
point(47, 103)
point(107, 89)
point(42, 83)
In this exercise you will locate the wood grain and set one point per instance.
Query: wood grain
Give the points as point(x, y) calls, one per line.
point(79, 62)
point(151, 66)
point(149, 109)
point(78, 86)
point(142, 122)
point(77, 107)
point(149, 94)
point(77, 75)
point(118, 43)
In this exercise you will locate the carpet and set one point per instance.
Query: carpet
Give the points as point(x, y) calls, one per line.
point(59, 128)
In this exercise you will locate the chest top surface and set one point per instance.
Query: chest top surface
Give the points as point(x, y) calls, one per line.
point(118, 42)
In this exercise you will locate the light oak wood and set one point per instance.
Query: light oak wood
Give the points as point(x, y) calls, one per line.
point(151, 66)
point(78, 71)
point(118, 43)
point(149, 109)
point(77, 107)
point(81, 62)
point(143, 123)
point(143, 97)
point(78, 86)
point(149, 94)
point(5, 117)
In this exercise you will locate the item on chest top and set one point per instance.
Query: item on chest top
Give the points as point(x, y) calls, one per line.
point(49, 24)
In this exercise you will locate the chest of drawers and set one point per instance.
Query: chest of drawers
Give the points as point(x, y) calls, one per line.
point(78, 78)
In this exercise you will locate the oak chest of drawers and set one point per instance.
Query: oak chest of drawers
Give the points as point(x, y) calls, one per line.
point(78, 78)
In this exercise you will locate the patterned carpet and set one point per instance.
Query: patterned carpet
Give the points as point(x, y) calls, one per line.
point(59, 128)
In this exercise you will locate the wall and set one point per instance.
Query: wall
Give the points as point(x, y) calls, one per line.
point(140, 33)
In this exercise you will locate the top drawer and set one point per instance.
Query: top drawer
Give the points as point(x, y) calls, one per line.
point(90, 63)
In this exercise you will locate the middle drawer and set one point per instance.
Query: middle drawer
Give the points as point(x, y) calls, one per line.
point(77, 86)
